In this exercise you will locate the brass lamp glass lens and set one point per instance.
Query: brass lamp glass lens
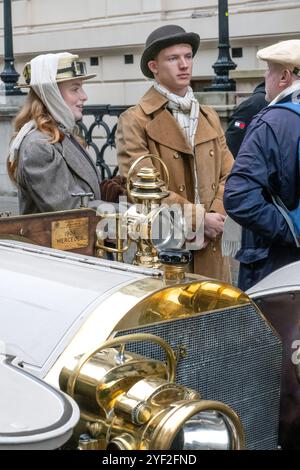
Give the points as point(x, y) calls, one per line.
point(207, 430)
point(167, 229)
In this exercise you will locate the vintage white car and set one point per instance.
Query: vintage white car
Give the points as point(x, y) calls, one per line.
point(96, 354)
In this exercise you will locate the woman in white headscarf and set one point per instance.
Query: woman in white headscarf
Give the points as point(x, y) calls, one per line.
point(47, 161)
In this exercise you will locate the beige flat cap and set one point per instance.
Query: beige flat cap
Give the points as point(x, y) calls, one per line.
point(286, 53)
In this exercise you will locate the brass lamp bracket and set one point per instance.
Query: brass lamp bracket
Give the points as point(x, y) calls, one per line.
point(133, 338)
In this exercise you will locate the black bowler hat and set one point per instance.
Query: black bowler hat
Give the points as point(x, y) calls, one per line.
point(163, 37)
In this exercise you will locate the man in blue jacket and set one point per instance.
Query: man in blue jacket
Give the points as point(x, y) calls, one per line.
point(267, 164)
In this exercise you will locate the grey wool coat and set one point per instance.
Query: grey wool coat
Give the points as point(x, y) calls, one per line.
point(48, 174)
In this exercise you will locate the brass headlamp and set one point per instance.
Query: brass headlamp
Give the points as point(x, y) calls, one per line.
point(147, 222)
point(130, 402)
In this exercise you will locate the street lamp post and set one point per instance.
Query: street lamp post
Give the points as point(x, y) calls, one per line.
point(221, 81)
point(9, 75)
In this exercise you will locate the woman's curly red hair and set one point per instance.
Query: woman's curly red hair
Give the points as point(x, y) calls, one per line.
point(34, 109)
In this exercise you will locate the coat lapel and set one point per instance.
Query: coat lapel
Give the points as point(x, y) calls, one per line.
point(205, 131)
point(84, 169)
point(165, 130)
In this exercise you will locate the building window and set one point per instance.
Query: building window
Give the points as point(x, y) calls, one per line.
point(237, 52)
point(128, 58)
point(94, 61)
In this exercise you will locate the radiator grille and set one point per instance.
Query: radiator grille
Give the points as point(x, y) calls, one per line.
point(234, 357)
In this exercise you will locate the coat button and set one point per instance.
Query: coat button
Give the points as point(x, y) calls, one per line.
point(213, 186)
point(176, 155)
point(211, 153)
point(181, 188)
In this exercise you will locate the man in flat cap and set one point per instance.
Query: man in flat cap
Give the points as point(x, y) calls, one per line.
point(266, 170)
point(169, 122)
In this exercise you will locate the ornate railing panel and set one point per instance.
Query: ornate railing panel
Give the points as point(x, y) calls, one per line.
point(98, 113)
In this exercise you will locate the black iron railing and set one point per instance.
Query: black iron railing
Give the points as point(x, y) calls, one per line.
point(108, 140)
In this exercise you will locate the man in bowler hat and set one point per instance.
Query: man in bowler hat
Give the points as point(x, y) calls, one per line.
point(169, 122)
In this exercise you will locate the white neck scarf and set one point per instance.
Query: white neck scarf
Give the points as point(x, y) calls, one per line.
point(231, 238)
point(185, 110)
point(43, 82)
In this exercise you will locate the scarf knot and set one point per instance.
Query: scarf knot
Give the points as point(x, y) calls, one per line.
point(185, 110)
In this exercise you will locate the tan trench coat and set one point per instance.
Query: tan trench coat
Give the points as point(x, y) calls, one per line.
point(150, 128)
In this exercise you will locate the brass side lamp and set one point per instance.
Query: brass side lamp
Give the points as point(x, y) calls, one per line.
point(131, 402)
point(147, 222)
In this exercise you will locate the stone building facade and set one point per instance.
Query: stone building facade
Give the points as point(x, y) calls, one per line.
point(109, 35)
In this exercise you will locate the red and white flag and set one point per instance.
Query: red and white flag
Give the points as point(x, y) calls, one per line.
point(240, 124)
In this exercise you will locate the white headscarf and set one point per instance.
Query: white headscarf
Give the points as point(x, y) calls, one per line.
point(43, 82)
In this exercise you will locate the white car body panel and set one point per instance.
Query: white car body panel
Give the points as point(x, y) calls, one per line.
point(41, 310)
point(33, 415)
point(284, 279)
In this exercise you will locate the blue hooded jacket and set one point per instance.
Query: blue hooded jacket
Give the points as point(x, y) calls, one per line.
point(267, 163)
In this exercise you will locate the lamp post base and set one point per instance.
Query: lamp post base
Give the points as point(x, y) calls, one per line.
point(9, 79)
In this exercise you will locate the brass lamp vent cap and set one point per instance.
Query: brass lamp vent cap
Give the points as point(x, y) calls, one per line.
point(148, 173)
point(148, 185)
